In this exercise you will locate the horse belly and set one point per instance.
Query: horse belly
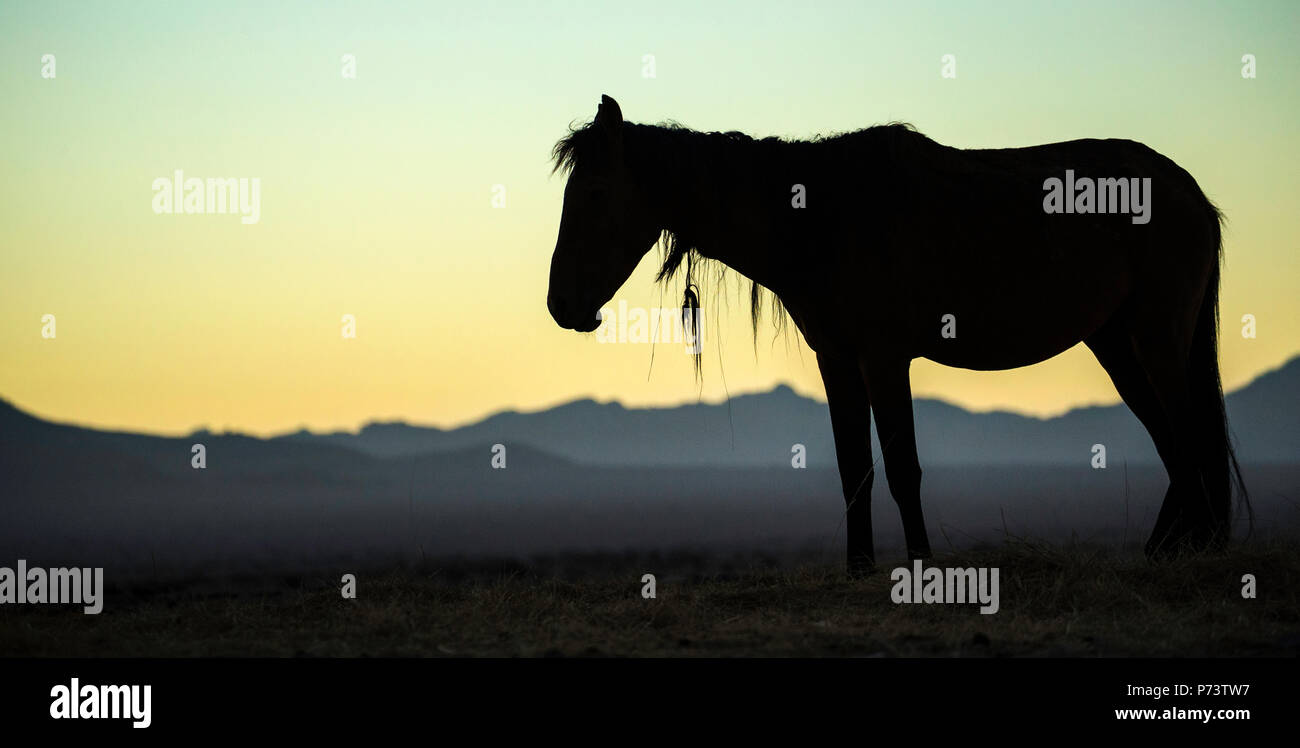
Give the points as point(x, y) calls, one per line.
point(990, 324)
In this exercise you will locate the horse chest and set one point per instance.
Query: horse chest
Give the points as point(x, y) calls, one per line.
point(803, 319)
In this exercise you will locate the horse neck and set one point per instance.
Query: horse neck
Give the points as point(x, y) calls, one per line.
point(711, 191)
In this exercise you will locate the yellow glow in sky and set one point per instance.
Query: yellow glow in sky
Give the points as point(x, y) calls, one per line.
point(376, 191)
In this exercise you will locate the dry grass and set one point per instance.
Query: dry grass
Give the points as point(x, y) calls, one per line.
point(1055, 601)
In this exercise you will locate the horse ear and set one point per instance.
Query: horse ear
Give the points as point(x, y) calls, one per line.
point(608, 115)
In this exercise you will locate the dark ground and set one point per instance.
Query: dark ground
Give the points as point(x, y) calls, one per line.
point(1062, 600)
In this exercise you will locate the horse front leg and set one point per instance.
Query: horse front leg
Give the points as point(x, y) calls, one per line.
point(846, 393)
point(890, 389)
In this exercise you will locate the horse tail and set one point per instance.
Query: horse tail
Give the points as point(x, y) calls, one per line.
point(1219, 468)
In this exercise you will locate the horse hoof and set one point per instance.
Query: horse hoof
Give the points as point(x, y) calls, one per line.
point(1183, 541)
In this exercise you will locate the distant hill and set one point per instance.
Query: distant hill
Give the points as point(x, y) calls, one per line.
point(589, 476)
point(759, 430)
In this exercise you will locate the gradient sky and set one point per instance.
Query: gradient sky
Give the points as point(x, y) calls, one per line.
point(376, 192)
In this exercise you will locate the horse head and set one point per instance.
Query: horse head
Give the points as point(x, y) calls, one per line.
point(606, 226)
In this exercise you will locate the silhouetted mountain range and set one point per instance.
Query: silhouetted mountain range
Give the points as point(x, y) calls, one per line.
point(589, 476)
point(760, 430)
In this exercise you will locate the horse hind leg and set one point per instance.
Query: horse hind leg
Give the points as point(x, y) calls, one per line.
point(1113, 348)
point(1187, 520)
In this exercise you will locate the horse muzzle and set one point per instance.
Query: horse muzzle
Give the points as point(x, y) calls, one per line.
point(567, 316)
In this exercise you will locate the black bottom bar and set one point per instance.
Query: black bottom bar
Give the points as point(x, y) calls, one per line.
point(988, 697)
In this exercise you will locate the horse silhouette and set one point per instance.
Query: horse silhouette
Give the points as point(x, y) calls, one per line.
point(884, 246)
